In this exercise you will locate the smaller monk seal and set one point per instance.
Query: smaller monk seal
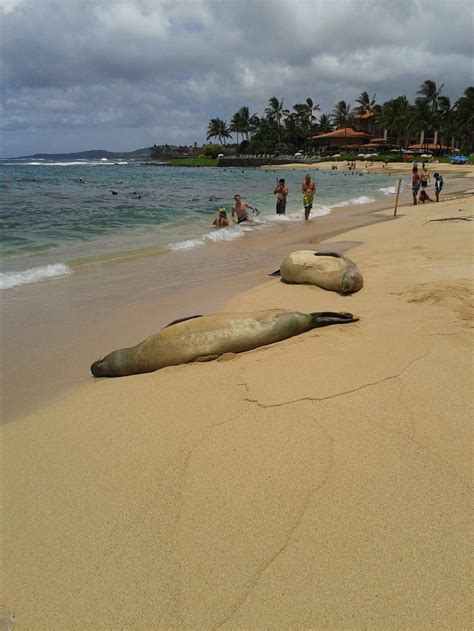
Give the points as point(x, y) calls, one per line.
point(203, 338)
point(328, 270)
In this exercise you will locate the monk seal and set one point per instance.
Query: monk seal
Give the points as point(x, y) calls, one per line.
point(328, 270)
point(203, 338)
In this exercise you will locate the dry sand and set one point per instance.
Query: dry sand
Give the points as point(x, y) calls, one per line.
point(322, 482)
point(379, 167)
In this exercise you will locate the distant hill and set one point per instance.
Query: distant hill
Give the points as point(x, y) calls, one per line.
point(92, 154)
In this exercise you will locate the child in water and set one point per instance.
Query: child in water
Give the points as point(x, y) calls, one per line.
point(221, 220)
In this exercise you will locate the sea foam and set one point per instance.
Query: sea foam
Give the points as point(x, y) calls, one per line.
point(216, 236)
point(33, 275)
point(389, 190)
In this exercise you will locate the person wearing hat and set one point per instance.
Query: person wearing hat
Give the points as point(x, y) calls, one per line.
point(281, 191)
point(221, 220)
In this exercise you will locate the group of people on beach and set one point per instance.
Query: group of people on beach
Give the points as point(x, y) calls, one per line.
point(419, 184)
point(239, 209)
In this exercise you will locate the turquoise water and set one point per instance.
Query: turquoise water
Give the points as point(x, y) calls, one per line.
point(57, 216)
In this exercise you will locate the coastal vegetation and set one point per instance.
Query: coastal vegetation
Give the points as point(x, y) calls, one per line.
point(432, 120)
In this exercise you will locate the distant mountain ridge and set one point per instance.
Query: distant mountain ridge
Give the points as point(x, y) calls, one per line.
point(92, 154)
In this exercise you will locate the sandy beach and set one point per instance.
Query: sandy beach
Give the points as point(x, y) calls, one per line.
point(323, 482)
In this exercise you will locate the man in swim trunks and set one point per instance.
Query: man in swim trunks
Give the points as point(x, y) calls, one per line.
point(240, 209)
point(281, 191)
point(415, 184)
point(308, 188)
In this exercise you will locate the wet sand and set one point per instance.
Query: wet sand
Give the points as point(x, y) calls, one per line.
point(322, 482)
point(51, 333)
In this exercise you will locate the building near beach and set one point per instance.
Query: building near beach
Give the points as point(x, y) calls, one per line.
point(342, 138)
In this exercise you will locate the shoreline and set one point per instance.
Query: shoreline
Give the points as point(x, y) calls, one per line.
point(36, 363)
point(325, 477)
point(33, 380)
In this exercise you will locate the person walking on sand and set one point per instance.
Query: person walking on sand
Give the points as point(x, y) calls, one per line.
point(221, 220)
point(415, 184)
point(308, 188)
point(281, 191)
point(438, 185)
point(239, 209)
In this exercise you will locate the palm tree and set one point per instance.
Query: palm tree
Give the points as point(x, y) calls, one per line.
point(249, 122)
point(445, 116)
point(430, 93)
point(367, 106)
point(305, 111)
point(397, 115)
point(275, 111)
point(325, 125)
point(218, 128)
point(463, 120)
point(431, 97)
point(342, 114)
point(237, 125)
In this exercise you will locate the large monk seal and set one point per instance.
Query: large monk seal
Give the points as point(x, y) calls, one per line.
point(328, 270)
point(203, 338)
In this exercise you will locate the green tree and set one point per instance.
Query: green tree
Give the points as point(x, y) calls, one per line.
point(265, 138)
point(430, 94)
point(211, 151)
point(462, 125)
point(275, 112)
point(397, 116)
point(237, 125)
point(325, 126)
point(366, 104)
point(305, 113)
point(219, 129)
point(342, 114)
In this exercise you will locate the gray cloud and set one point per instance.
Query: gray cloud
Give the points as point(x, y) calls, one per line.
point(77, 74)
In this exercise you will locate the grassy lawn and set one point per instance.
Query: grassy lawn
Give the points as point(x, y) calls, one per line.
point(193, 162)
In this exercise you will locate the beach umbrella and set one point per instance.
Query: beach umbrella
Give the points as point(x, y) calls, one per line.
point(361, 155)
point(426, 155)
point(336, 155)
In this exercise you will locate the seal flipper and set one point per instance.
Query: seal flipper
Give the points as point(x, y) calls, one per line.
point(206, 358)
point(325, 318)
point(276, 273)
point(182, 320)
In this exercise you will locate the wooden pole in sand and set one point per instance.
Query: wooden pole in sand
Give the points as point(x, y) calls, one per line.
point(398, 195)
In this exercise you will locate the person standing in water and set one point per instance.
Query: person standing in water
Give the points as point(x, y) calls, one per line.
point(281, 191)
point(239, 209)
point(308, 188)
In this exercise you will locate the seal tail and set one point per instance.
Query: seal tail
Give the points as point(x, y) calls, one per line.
point(276, 273)
point(325, 318)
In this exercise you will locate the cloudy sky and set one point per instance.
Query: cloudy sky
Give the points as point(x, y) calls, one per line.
point(125, 74)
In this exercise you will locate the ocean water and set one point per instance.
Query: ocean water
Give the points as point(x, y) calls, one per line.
point(58, 216)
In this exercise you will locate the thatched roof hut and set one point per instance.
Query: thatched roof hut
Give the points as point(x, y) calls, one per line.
point(343, 137)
